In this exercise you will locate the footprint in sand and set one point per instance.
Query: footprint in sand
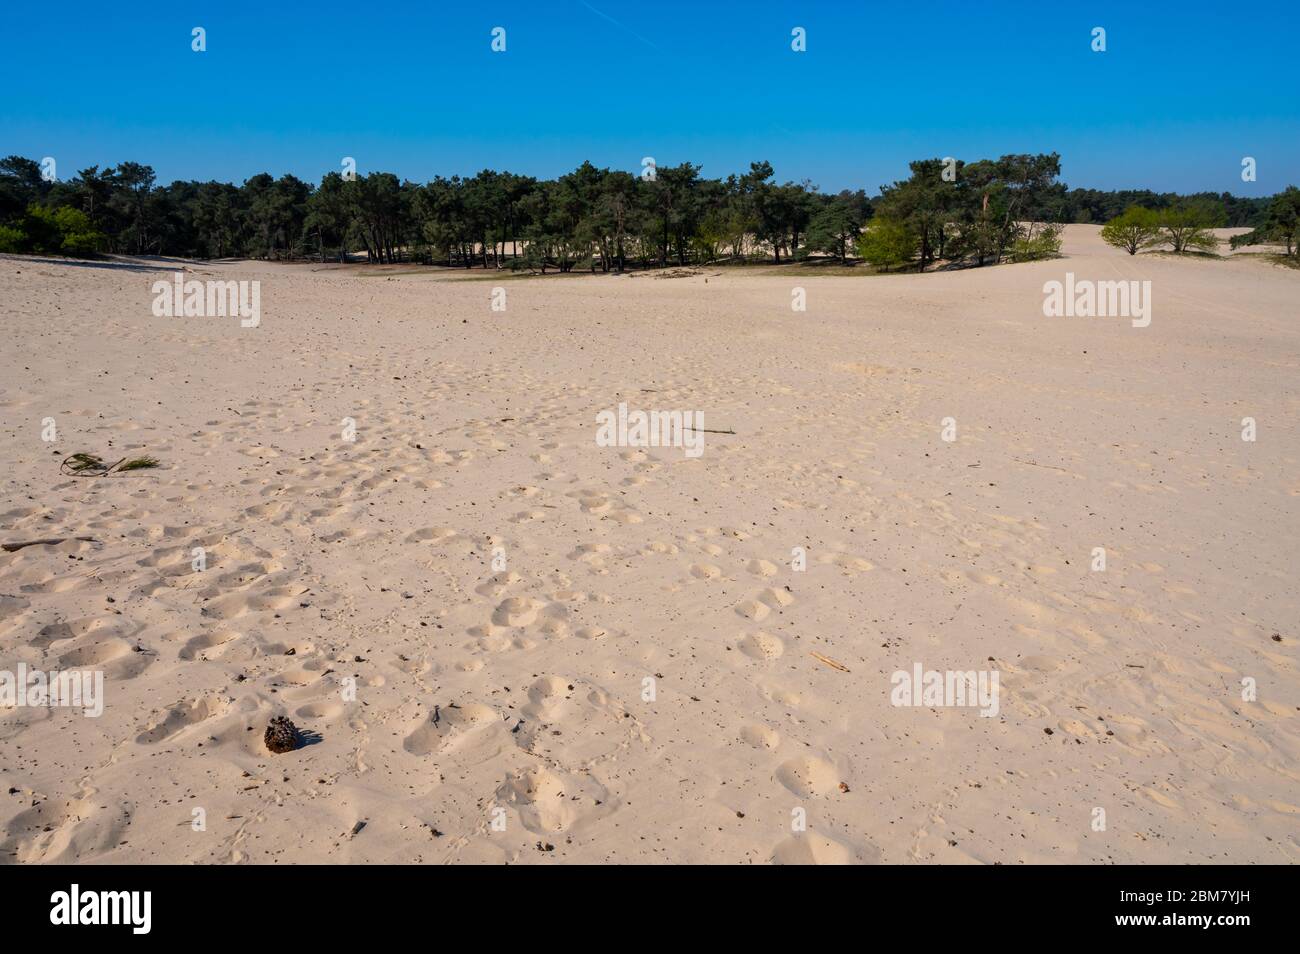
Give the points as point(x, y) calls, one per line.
point(62, 831)
point(208, 645)
point(809, 775)
point(181, 716)
point(813, 848)
point(763, 646)
point(760, 736)
point(448, 727)
point(758, 608)
point(517, 611)
point(320, 710)
point(433, 534)
point(550, 801)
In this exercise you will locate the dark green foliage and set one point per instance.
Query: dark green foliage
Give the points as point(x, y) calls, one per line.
point(46, 231)
point(92, 465)
point(982, 212)
point(1281, 224)
point(1090, 205)
point(977, 212)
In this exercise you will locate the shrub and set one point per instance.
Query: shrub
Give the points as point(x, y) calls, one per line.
point(1132, 230)
point(1046, 244)
point(12, 239)
point(62, 231)
point(887, 243)
point(1281, 223)
point(1187, 226)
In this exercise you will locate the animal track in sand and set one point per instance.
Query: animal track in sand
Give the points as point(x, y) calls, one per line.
point(545, 694)
point(528, 516)
point(592, 553)
point(237, 604)
point(320, 710)
point(71, 629)
point(592, 501)
point(95, 653)
point(846, 561)
point(549, 801)
point(813, 848)
point(304, 675)
point(777, 599)
point(516, 611)
point(762, 646)
point(761, 736)
point(181, 716)
point(497, 584)
point(625, 517)
point(434, 534)
point(781, 696)
point(341, 536)
point(208, 645)
point(63, 831)
point(447, 726)
point(758, 608)
point(808, 775)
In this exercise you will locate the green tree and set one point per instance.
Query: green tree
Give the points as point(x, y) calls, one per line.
point(12, 239)
point(1134, 229)
point(325, 217)
point(1281, 223)
point(1187, 225)
point(925, 202)
point(834, 227)
point(77, 236)
point(20, 185)
point(133, 187)
point(47, 231)
point(888, 243)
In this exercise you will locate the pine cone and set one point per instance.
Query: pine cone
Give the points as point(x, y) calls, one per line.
point(281, 735)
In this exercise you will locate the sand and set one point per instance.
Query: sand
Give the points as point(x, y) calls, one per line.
point(649, 679)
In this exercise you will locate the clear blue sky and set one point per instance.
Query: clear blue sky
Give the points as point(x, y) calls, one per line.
point(1183, 92)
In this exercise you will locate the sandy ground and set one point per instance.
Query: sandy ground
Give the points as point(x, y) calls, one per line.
point(640, 684)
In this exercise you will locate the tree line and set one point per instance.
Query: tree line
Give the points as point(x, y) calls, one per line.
point(948, 211)
point(1187, 226)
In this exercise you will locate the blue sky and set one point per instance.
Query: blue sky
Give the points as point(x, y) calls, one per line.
point(1182, 93)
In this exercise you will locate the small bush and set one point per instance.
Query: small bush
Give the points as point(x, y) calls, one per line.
point(1134, 229)
point(1046, 244)
point(887, 243)
point(12, 239)
point(44, 231)
point(1187, 226)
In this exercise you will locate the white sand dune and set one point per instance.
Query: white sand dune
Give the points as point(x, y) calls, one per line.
point(522, 696)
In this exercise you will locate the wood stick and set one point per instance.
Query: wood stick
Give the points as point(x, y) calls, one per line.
point(830, 662)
